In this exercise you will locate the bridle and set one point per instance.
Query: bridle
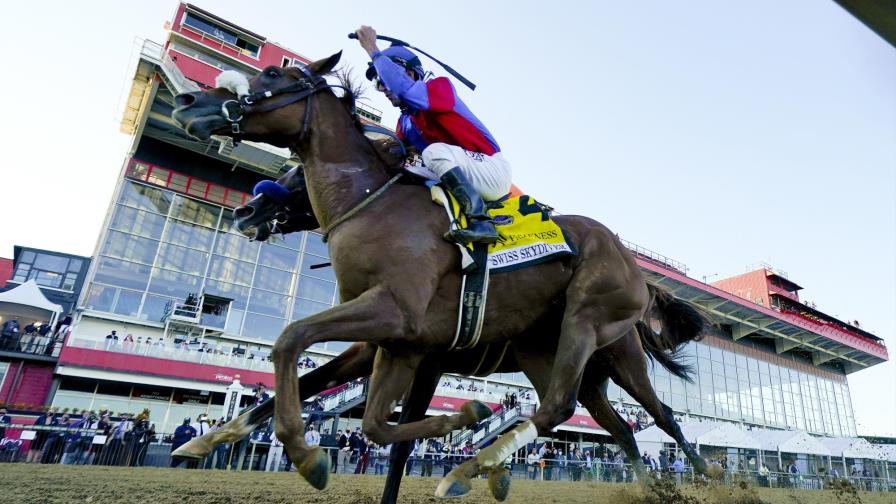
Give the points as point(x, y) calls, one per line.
point(234, 111)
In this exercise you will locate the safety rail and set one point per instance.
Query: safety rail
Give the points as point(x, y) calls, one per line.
point(178, 353)
point(46, 346)
point(656, 257)
point(495, 424)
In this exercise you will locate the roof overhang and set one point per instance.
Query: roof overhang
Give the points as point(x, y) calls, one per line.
point(879, 15)
point(750, 320)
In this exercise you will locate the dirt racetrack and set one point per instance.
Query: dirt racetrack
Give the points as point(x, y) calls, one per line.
point(45, 484)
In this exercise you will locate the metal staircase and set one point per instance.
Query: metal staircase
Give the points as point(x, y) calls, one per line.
point(495, 425)
point(339, 401)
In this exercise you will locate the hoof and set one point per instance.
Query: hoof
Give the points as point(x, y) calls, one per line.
point(192, 450)
point(715, 471)
point(452, 487)
point(499, 483)
point(316, 468)
point(476, 410)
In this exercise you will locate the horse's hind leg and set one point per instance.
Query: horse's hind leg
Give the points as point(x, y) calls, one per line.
point(629, 371)
point(391, 377)
point(593, 395)
point(354, 362)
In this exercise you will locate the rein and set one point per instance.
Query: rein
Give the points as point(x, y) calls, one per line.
point(360, 206)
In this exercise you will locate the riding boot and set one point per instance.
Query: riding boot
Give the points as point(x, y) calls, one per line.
point(480, 228)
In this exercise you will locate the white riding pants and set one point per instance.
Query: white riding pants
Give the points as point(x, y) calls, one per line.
point(490, 175)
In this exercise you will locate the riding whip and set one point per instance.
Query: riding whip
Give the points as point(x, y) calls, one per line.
point(447, 68)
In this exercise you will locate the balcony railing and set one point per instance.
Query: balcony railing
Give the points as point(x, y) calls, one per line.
point(166, 350)
point(656, 257)
point(34, 344)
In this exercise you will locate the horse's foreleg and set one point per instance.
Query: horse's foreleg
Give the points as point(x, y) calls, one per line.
point(372, 317)
point(391, 377)
point(355, 362)
point(412, 410)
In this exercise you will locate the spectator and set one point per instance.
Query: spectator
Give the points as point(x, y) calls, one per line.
point(548, 463)
point(219, 452)
point(261, 394)
point(381, 456)
point(533, 464)
point(678, 469)
point(10, 333)
point(128, 340)
point(275, 454)
point(361, 448)
point(55, 440)
point(312, 437)
point(576, 463)
point(428, 456)
point(344, 454)
point(111, 338)
point(5, 420)
point(94, 450)
point(62, 325)
point(183, 433)
point(447, 459)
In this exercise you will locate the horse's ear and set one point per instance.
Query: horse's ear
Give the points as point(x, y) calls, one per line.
point(325, 66)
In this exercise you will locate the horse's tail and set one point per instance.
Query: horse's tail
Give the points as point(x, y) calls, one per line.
point(677, 322)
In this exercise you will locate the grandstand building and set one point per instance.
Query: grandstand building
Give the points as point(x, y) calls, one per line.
point(204, 304)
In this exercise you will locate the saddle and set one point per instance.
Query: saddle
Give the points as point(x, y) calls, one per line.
point(528, 236)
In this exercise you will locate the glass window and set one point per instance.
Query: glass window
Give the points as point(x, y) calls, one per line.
point(130, 247)
point(22, 271)
point(234, 321)
point(122, 273)
point(268, 303)
point(74, 265)
point(128, 303)
point(291, 240)
point(337, 346)
point(237, 246)
point(139, 222)
point(27, 257)
point(195, 211)
point(305, 308)
point(155, 308)
point(272, 280)
point(68, 283)
point(190, 235)
point(324, 273)
point(231, 270)
point(173, 284)
point(263, 327)
point(278, 257)
point(52, 263)
point(145, 197)
point(100, 298)
point(316, 290)
point(239, 295)
point(182, 259)
point(46, 278)
point(314, 245)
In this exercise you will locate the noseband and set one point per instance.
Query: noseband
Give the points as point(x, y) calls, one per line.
point(235, 111)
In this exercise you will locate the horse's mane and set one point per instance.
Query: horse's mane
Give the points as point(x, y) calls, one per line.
point(388, 149)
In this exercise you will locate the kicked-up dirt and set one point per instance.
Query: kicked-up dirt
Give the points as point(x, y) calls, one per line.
point(51, 484)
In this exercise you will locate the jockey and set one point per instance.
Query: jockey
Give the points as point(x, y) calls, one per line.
point(456, 147)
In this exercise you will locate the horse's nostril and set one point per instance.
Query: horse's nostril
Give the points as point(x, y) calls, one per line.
point(243, 212)
point(185, 99)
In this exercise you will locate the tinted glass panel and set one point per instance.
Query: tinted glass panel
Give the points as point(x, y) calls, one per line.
point(231, 270)
point(154, 308)
point(130, 247)
point(190, 235)
point(122, 273)
point(146, 198)
point(139, 222)
point(100, 297)
point(269, 303)
point(237, 246)
point(305, 308)
point(272, 280)
point(324, 273)
point(314, 245)
point(182, 259)
point(278, 257)
point(49, 262)
point(315, 290)
point(128, 303)
point(195, 211)
point(262, 327)
point(174, 284)
point(239, 295)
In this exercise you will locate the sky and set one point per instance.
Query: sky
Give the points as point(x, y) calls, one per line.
point(719, 134)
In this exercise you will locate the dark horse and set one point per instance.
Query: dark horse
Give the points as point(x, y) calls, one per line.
point(399, 280)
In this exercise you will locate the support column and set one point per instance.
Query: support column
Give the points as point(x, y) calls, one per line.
point(232, 399)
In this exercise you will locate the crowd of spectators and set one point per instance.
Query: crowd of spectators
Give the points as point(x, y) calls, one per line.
point(36, 337)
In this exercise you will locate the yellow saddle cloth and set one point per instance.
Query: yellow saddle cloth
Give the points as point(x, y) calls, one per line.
point(529, 235)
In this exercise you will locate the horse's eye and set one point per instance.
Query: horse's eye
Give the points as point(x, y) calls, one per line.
point(274, 74)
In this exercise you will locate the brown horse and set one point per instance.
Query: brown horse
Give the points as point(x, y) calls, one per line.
point(399, 280)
